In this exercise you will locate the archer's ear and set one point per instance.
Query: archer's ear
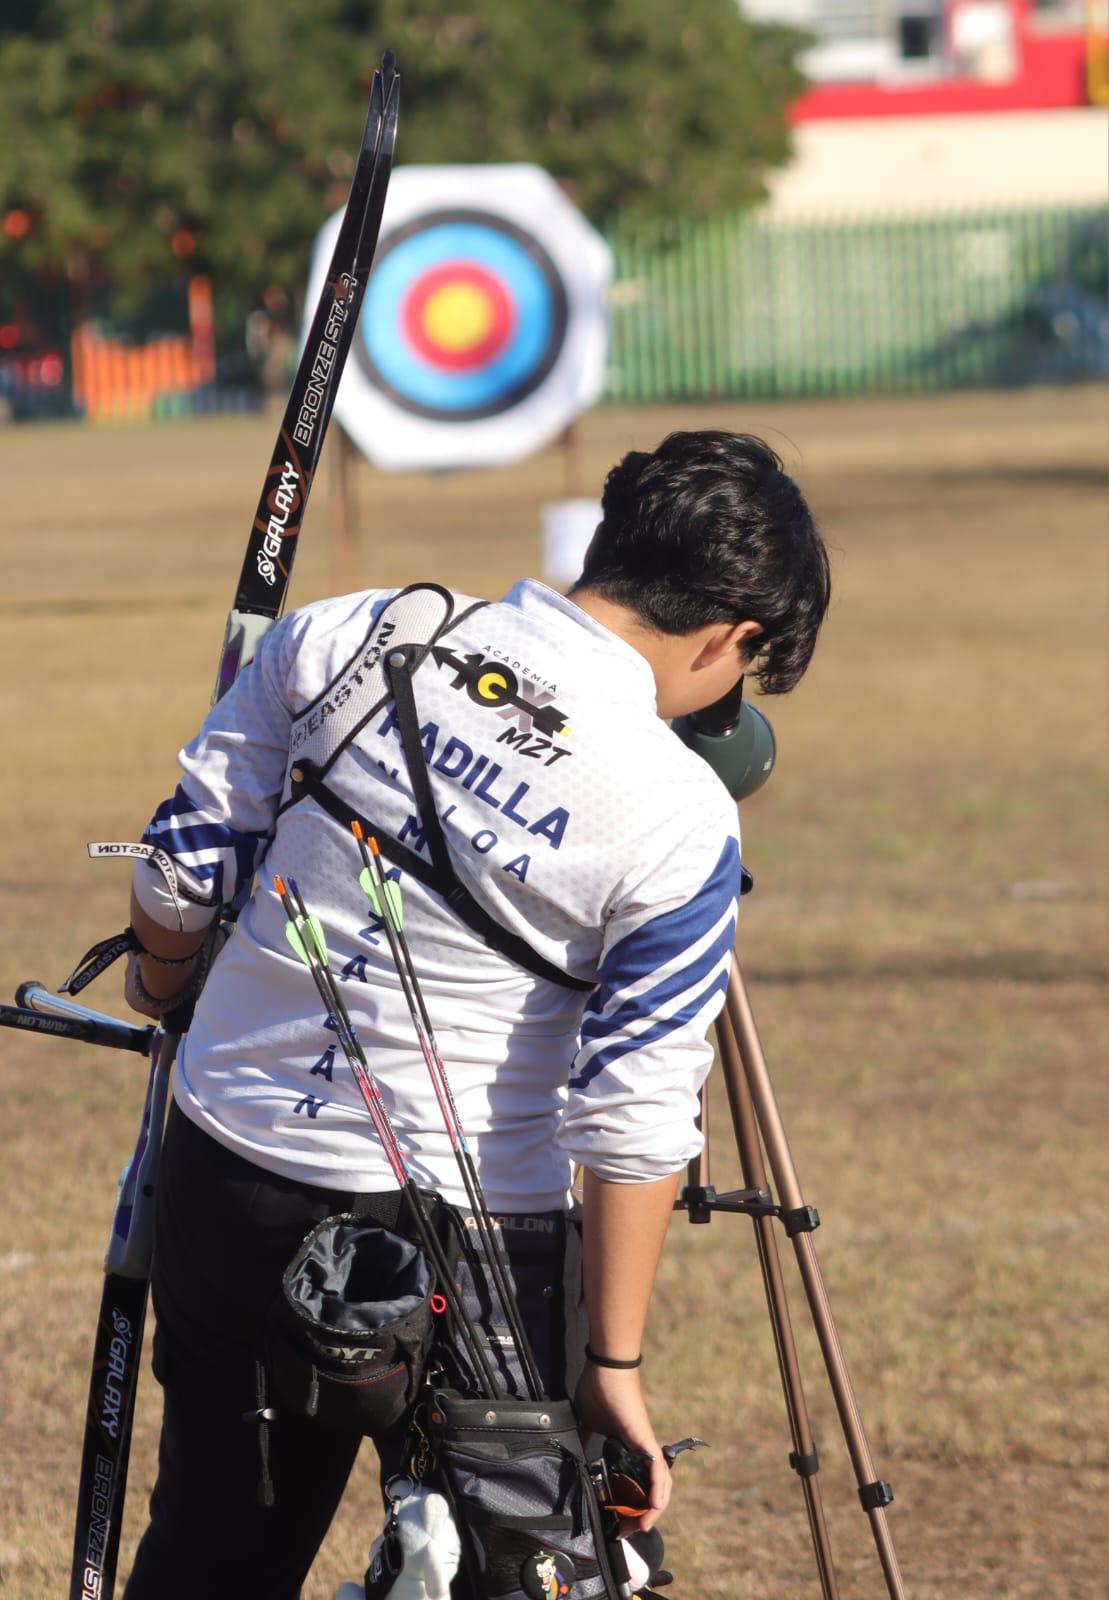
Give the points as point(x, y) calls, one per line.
point(752, 640)
point(726, 639)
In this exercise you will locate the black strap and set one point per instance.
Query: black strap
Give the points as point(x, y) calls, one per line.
point(398, 672)
point(388, 1563)
point(399, 666)
point(438, 875)
point(99, 959)
point(306, 780)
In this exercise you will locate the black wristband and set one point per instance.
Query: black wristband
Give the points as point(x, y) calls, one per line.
point(609, 1361)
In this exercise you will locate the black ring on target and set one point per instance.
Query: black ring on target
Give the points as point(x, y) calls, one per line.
point(555, 315)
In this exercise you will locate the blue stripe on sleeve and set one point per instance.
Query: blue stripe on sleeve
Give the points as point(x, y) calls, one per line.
point(621, 1047)
point(198, 836)
point(684, 977)
point(658, 944)
point(659, 941)
point(179, 804)
point(190, 839)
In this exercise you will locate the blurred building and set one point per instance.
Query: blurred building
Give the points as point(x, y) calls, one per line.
point(919, 105)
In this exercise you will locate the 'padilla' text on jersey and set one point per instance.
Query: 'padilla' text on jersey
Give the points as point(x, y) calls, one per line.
point(573, 815)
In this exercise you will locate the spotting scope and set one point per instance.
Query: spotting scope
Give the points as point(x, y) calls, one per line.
point(734, 738)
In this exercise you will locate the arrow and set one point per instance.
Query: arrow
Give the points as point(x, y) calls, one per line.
point(311, 947)
point(429, 1049)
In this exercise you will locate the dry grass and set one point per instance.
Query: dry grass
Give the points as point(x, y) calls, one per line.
point(925, 951)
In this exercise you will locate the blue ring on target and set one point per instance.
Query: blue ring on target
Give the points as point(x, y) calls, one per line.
point(485, 247)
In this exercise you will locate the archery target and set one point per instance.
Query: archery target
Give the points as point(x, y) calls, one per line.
point(483, 330)
point(464, 316)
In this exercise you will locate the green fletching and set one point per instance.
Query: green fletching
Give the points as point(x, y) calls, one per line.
point(393, 904)
point(393, 901)
point(315, 927)
point(366, 880)
point(292, 933)
point(296, 941)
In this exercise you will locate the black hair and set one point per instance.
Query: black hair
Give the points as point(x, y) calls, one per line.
point(709, 528)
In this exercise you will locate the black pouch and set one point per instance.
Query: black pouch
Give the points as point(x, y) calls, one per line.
point(525, 1506)
point(347, 1338)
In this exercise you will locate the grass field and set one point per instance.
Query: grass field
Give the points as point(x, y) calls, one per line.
point(925, 951)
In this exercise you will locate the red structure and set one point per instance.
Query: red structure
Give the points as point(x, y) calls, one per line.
point(929, 57)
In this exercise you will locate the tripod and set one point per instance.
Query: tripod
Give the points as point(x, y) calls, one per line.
point(757, 1121)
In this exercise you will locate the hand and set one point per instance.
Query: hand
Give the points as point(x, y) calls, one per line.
point(610, 1403)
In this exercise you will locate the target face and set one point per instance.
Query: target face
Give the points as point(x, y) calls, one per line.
point(465, 315)
point(484, 328)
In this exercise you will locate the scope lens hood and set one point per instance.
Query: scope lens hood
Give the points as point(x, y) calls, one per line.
point(723, 716)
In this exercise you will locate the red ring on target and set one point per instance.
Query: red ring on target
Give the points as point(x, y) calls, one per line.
point(425, 315)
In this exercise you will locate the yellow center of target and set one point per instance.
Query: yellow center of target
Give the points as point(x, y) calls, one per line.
point(457, 316)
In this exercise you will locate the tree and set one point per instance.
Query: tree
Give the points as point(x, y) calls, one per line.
point(652, 108)
point(137, 137)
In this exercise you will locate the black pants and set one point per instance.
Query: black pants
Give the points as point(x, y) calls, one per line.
point(225, 1232)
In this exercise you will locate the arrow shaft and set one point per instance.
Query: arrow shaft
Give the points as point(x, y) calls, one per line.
point(421, 1020)
point(297, 912)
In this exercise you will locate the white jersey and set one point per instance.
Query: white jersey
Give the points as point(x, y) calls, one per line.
point(608, 847)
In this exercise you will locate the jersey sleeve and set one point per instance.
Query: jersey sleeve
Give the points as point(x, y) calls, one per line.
point(643, 1055)
point(218, 821)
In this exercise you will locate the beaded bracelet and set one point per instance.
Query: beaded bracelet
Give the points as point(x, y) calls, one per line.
point(153, 1004)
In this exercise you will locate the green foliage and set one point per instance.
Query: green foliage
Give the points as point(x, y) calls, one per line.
point(653, 107)
point(140, 137)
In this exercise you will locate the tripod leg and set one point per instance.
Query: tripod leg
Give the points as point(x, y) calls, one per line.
point(698, 1176)
point(799, 1221)
point(803, 1458)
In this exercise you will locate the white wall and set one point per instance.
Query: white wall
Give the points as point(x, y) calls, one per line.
point(912, 164)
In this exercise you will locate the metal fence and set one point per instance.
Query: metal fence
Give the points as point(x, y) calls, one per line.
point(744, 305)
point(738, 306)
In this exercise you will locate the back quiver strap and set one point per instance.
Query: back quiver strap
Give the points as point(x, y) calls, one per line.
point(307, 781)
point(381, 671)
point(399, 666)
point(423, 612)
